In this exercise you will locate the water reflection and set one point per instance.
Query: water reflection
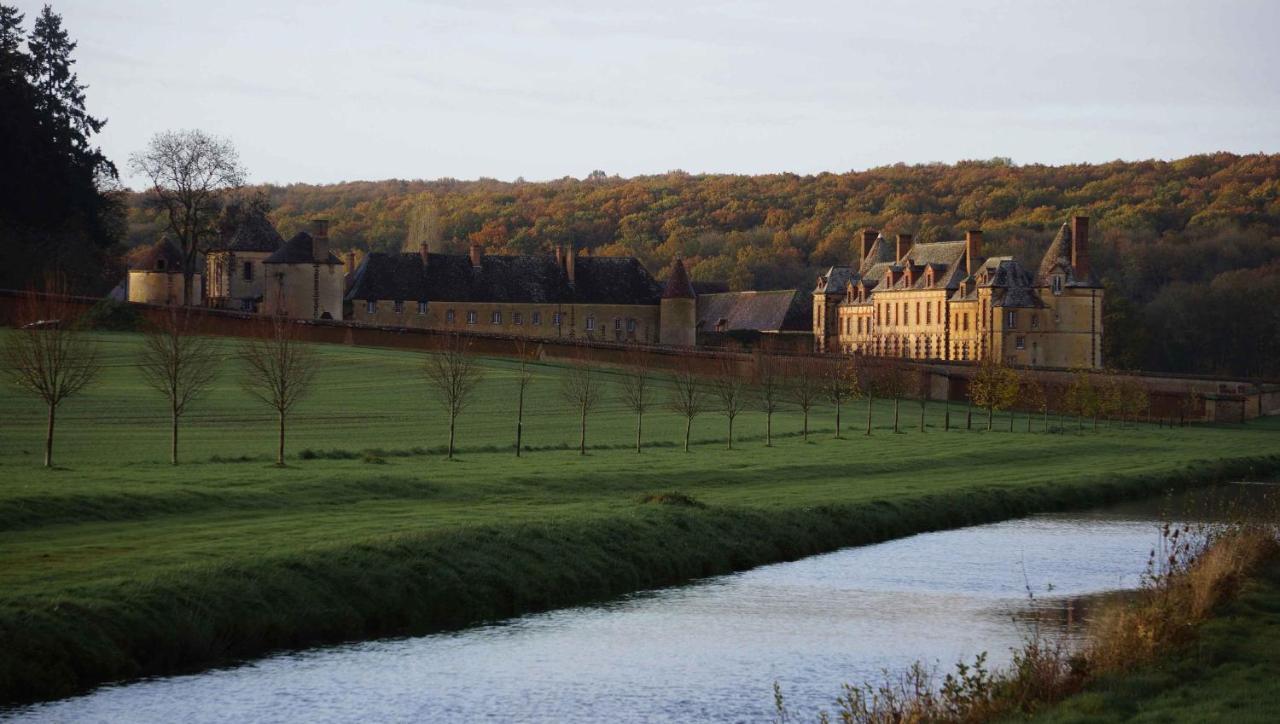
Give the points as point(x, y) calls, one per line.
point(708, 651)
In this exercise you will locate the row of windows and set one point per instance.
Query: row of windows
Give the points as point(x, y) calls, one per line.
point(899, 313)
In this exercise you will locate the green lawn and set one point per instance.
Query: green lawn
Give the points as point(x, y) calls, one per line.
point(115, 526)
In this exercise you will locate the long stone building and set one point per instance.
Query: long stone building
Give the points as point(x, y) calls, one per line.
point(947, 301)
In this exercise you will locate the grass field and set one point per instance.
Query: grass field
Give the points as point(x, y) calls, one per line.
point(117, 563)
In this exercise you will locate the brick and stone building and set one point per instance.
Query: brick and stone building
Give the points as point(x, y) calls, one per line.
point(946, 301)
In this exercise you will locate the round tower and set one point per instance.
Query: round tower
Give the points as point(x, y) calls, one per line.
point(678, 311)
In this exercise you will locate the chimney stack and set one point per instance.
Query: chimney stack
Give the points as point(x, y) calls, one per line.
point(972, 250)
point(868, 238)
point(475, 255)
point(1080, 246)
point(559, 256)
point(320, 240)
point(568, 262)
point(904, 245)
point(424, 251)
point(351, 261)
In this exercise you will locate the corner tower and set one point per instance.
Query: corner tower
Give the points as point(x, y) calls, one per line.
point(678, 311)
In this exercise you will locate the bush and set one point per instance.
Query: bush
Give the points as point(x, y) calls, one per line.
point(110, 315)
point(672, 497)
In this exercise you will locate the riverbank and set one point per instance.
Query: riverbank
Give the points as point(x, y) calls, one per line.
point(118, 565)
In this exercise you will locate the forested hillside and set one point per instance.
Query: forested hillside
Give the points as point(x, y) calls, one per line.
point(1189, 249)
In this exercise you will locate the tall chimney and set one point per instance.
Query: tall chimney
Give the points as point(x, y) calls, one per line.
point(868, 238)
point(972, 250)
point(320, 240)
point(560, 256)
point(351, 261)
point(424, 251)
point(569, 256)
point(1080, 246)
point(475, 255)
point(904, 244)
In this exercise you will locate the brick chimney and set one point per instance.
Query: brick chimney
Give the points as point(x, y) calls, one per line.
point(569, 256)
point(1080, 246)
point(475, 255)
point(904, 244)
point(351, 261)
point(972, 250)
point(868, 238)
point(320, 240)
point(424, 251)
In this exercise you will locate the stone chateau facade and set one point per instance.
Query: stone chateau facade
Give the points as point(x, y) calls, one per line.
point(947, 301)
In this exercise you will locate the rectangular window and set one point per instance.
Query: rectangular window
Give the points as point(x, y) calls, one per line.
point(1035, 321)
point(917, 312)
point(556, 319)
point(397, 307)
point(517, 318)
point(617, 324)
point(472, 316)
point(537, 319)
point(928, 313)
point(246, 305)
point(966, 322)
point(449, 316)
point(1011, 320)
point(248, 271)
point(591, 323)
point(371, 307)
point(422, 308)
point(1020, 342)
point(495, 317)
point(1057, 285)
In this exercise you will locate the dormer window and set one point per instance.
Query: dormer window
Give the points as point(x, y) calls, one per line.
point(1056, 282)
point(160, 264)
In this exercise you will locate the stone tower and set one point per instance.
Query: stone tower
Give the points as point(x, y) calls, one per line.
point(678, 313)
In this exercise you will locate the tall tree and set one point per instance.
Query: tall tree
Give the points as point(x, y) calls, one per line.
point(582, 387)
point(47, 355)
point(279, 370)
point(191, 172)
point(732, 393)
point(454, 374)
point(688, 398)
point(178, 363)
point(60, 95)
point(636, 390)
point(524, 377)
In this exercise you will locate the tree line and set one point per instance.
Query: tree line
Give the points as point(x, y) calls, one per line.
point(52, 356)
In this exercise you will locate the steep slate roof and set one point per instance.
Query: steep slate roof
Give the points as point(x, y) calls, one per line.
point(525, 279)
point(784, 310)
point(678, 286)
point(1012, 284)
point(946, 258)
point(835, 280)
point(298, 250)
point(163, 250)
point(1059, 255)
point(881, 252)
point(253, 232)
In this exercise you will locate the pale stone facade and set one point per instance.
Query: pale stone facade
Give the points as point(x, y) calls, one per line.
point(944, 301)
point(156, 277)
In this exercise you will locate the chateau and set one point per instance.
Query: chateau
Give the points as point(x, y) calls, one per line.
point(945, 300)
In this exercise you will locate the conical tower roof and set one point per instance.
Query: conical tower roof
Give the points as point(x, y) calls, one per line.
point(678, 286)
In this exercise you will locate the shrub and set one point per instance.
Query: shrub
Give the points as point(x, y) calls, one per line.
point(672, 497)
point(110, 315)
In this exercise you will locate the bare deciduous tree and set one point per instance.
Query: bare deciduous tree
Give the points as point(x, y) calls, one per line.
point(178, 363)
point(48, 355)
point(1036, 398)
point(804, 387)
point(732, 393)
point(524, 377)
point(279, 370)
point(893, 384)
point(583, 389)
point(994, 386)
point(190, 171)
point(770, 388)
point(636, 390)
point(841, 383)
point(454, 374)
point(688, 398)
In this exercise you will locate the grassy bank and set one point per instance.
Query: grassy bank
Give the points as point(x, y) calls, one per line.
point(118, 564)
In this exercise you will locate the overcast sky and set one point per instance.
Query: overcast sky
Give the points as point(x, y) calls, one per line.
point(329, 91)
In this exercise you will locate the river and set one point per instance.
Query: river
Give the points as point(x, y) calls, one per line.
point(708, 651)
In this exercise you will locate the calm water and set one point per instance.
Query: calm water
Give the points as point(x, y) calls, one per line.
point(703, 652)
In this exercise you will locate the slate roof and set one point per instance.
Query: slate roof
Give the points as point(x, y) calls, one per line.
point(253, 231)
point(524, 279)
point(163, 250)
point(881, 252)
point(298, 250)
point(678, 286)
point(946, 258)
point(1012, 284)
point(1059, 255)
point(835, 280)
point(784, 310)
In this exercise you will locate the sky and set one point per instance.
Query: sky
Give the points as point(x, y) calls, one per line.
point(320, 92)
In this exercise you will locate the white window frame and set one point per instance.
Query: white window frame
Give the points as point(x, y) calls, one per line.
point(422, 308)
point(591, 322)
point(495, 317)
point(371, 306)
point(472, 316)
